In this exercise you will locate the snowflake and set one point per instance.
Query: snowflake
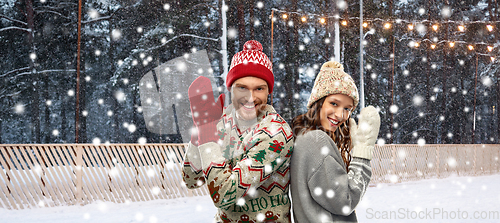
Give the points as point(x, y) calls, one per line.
point(256, 22)
point(96, 141)
point(151, 173)
point(113, 172)
point(232, 33)
point(342, 4)
point(94, 14)
point(325, 150)
point(120, 96)
point(422, 29)
point(451, 162)
point(393, 109)
point(261, 217)
point(393, 178)
point(155, 190)
point(268, 169)
point(381, 142)
point(19, 108)
point(401, 154)
point(446, 12)
point(116, 34)
point(487, 81)
point(318, 191)
point(240, 202)
point(330, 193)
point(346, 210)
point(421, 142)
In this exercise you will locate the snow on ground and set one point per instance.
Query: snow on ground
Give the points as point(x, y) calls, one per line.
point(453, 199)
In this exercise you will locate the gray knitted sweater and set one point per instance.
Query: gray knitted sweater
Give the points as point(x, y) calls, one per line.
point(321, 189)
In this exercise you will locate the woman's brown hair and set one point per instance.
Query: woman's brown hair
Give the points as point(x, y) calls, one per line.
point(311, 121)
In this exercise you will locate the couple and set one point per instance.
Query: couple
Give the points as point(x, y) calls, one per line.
point(243, 152)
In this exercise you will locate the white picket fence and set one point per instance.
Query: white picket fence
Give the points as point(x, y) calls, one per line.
point(47, 175)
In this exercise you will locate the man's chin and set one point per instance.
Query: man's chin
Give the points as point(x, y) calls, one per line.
point(246, 115)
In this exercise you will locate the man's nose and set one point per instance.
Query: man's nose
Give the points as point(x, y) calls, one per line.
point(250, 96)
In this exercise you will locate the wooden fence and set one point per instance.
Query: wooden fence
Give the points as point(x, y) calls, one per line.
point(400, 163)
point(47, 175)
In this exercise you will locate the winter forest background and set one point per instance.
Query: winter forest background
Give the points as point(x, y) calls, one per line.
point(428, 90)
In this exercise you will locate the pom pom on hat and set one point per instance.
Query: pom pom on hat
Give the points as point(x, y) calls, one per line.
point(332, 79)
point(251, 62)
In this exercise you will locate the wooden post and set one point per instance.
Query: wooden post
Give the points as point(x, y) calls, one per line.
point(437, 162)
point(393, 160)
point(78, 64)
point(79, 175)
point(475, 155)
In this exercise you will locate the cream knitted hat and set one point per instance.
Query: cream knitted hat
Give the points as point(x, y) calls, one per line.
point(332, 79)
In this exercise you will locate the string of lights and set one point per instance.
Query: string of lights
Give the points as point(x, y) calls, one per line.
point(411, 25)
point(285, 15)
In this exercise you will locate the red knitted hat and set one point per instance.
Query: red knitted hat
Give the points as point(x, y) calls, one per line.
point(251, 62)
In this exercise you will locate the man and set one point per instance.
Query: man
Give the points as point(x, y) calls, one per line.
point(242, 151)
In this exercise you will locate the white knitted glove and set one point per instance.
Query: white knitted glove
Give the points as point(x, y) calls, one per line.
point(365, 134)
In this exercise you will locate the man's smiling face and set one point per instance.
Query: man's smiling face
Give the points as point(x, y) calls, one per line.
point(249, 96)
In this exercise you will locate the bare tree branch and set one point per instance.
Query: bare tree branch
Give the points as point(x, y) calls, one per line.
point(58, 70)
point(102, 18)
point(39, 72)
point(98, 19)
point(15, 28)
point(164, 43)
point(13, 20)
point(3, 95)
point(14, 71)
point(54, 12)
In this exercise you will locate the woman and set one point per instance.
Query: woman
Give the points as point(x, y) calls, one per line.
point(330, 166)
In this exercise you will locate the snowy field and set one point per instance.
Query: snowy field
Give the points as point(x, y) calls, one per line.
point(454, 199)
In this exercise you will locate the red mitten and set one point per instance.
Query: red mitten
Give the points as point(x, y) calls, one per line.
point(205, 111)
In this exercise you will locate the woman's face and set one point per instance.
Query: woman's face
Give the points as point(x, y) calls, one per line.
point(335, 110)
point(249, 95)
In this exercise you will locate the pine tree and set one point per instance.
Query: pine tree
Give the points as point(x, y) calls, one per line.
point(259, 157)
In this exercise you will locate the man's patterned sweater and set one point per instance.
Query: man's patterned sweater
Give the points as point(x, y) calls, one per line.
point(247, 170)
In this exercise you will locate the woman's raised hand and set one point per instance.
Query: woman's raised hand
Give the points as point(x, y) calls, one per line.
point(364, 135)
